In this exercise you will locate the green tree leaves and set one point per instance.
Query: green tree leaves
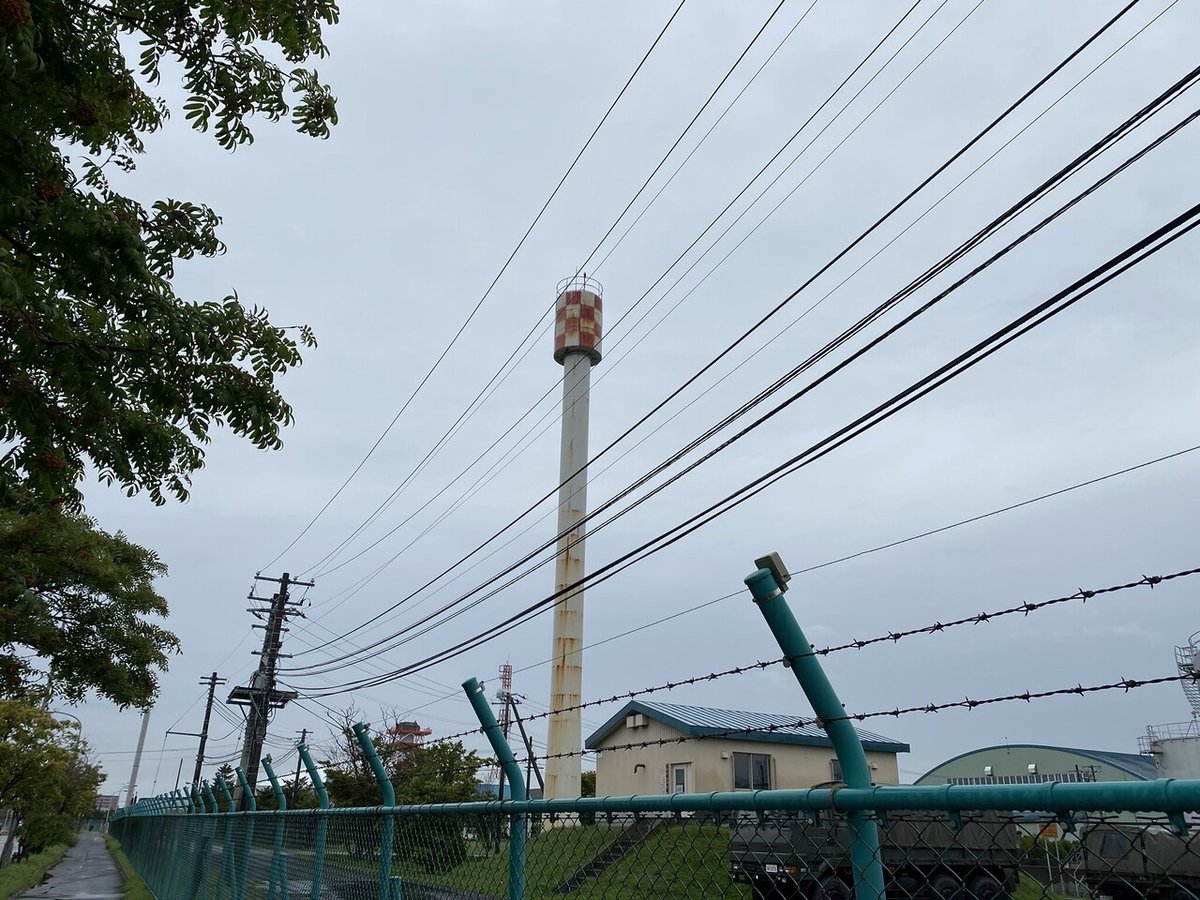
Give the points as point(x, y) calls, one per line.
point(442, 772)
point(45, 776)
point(101, 363)
point(84, 601)
point(103, 366)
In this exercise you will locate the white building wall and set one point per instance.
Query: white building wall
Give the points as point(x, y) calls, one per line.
point(1177, 757)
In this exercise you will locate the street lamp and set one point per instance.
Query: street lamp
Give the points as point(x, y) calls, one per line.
point(79, 733)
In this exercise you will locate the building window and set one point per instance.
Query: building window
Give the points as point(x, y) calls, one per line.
point(1017, 779)
point(835, 770)
point(752, 771)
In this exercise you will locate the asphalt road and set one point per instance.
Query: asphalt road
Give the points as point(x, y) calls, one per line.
point(86, 873)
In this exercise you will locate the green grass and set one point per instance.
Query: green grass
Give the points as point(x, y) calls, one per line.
point(1029, 889)
point(131, 881)
point(552, 856)
point(680, 863)
point(686, 861)
point(19, 876)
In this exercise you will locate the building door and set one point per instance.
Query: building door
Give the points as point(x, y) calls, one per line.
point(681, 778)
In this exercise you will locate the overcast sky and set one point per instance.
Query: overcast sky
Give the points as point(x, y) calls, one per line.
point(457, 119)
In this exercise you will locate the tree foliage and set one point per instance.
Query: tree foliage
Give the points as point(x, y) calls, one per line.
point(101, 362)
point(299, 795)
point(45, 775)
point(80, 598)
point(440, 772)
point(104, 367)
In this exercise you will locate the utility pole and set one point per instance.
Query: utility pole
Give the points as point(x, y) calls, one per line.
point(261, 696)
point(212, 681)
point(131, 795)
point(299, 760)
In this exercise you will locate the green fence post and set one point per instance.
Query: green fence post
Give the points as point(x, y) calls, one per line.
point(176, 827)
point(278, 860)
point(229, 871)
point(767, 585)
point(516, 781)
point(193, 838)
point(387, 889)
point(318, 866)
point(248, 826)
point(230, 806)
point(206, 841)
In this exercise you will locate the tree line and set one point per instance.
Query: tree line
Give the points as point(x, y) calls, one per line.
point(107, 372)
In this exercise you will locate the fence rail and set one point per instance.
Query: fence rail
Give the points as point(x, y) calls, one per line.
point(957, 842)
point(768, 844)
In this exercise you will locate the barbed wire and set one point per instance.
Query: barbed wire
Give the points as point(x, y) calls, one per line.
point(1083, 594)
point(1125, 684)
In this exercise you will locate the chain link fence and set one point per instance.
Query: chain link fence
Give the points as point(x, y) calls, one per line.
point(1041, 841)
point(459, 853)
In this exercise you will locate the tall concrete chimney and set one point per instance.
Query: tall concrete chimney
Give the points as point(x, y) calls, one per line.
point(577, 334)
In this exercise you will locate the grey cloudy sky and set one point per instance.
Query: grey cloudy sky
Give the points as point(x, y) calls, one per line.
point(456, 121)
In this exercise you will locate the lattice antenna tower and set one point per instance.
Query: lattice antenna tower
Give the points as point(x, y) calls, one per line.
point(1187, 659)
point(503, 697)
point(506, 673)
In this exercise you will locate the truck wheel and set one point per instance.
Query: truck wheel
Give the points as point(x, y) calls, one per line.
point(905, 887)
point(833, 888)
point(946, 887)
point(985, 887)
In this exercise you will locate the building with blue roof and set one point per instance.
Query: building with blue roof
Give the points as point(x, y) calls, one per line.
point(652, 748)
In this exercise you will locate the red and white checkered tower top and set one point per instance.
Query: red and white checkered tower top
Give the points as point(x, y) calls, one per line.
point(577, 318)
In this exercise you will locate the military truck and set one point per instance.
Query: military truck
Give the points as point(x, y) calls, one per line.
point(1124, 861)
point(925, 855)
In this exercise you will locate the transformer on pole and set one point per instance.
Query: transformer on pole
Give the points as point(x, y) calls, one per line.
point(577, 335)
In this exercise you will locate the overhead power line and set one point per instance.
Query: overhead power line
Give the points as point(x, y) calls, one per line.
point(504, 268)
point(456, 693)
point(495, 470)
point(613, 328)
point(770, 314)
point(1062, 300)
point(1022, 204)
point(892, 637)
point(502, 372)
point(995, 512)
point(700, 143)
point(662, 162)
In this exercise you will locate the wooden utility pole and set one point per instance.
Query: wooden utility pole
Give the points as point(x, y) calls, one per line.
point(212, 681)
point(261, 695)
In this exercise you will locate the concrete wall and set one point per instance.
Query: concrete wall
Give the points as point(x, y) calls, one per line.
point(645, 770)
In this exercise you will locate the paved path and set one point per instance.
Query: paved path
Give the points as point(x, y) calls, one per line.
point(87, 873)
